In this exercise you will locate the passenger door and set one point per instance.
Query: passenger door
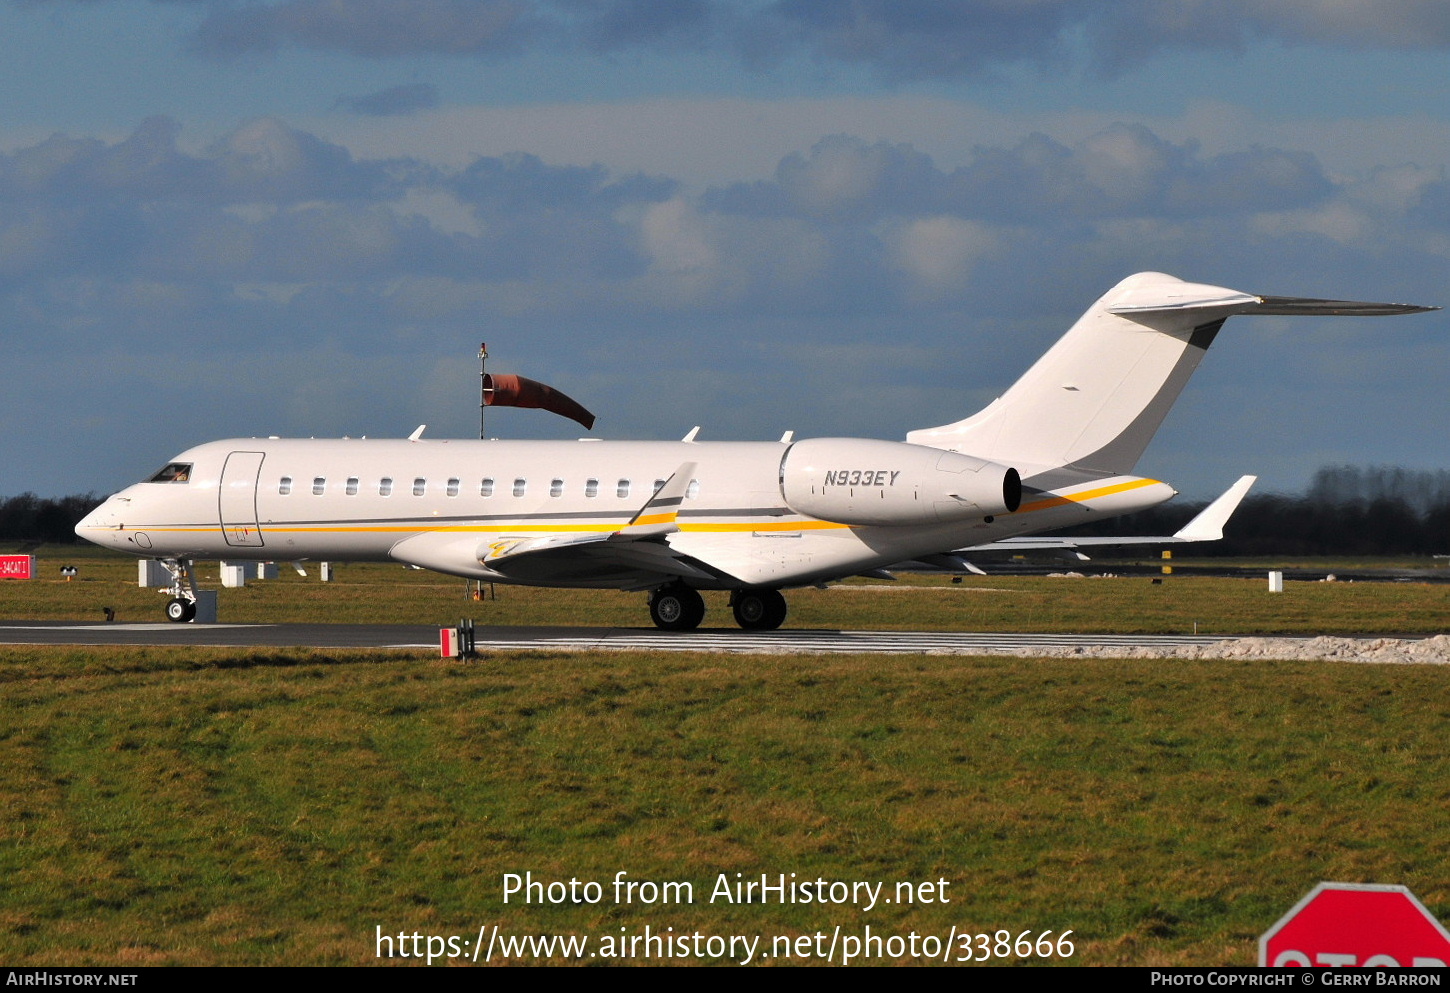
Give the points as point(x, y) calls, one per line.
point(237, 497)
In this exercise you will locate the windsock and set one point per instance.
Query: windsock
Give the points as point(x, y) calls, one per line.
point(516, 391)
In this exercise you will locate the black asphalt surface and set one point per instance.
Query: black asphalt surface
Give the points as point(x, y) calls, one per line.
point(420, 637)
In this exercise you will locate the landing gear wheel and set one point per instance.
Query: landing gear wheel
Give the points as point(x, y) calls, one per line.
point(180, 610)
point(676, 608)
point(759, 610)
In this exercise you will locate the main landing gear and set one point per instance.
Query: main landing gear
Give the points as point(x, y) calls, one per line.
point(182, 605)
point(677, 607)
point(758, 610)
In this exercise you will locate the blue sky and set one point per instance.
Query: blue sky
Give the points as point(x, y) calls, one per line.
point(299, 217)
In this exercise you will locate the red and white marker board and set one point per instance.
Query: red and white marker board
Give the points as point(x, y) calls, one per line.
point(1360, 924)
point(17, 566)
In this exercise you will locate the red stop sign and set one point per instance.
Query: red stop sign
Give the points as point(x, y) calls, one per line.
point(1356, 924)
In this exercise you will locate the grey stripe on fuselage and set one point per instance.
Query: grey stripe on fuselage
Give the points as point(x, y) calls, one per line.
point(433, 523)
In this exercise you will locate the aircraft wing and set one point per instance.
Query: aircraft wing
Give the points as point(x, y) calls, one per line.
point(636, 554)
point(637, 561)
point(1207, 526)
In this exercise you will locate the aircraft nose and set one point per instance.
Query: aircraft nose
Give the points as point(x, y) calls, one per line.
point(86, 523)
point(101, 519)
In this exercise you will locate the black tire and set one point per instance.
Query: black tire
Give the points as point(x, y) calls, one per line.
point(180, 610)
point(759, 610)
point(676, 608)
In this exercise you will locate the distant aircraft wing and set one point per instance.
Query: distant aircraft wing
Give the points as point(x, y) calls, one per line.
point(1207, 526)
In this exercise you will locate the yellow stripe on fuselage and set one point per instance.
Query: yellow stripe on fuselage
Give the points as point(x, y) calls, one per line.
point(1062, 499)
point(1046, 503)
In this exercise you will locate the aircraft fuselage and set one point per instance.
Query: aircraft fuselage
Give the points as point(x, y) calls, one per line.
point(441, 504)
point(678, 517)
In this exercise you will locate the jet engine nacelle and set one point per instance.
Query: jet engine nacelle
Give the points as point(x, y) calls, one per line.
point(859, 481)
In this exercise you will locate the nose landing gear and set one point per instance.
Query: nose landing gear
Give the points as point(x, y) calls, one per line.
point(182, 605)
point(180, 609)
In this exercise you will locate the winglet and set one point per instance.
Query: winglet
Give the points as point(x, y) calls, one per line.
point(657, 516)
point(1208, 525)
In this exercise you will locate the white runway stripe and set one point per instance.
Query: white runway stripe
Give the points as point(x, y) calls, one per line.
point(840, 641)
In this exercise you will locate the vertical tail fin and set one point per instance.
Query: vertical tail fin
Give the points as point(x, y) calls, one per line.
point(1096, 399)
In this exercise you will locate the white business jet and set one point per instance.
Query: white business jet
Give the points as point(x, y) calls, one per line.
point(674, 518)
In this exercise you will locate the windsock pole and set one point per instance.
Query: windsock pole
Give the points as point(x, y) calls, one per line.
point(482, 379)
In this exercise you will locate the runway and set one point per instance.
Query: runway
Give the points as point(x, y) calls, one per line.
point(419, 637)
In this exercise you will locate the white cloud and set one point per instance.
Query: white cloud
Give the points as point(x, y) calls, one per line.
point(937, 255)
point(675, 238)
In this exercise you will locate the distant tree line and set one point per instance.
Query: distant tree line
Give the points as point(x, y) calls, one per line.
point(1348, 510)
point(28, 517)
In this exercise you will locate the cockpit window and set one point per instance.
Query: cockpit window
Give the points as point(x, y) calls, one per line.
point(176, 472)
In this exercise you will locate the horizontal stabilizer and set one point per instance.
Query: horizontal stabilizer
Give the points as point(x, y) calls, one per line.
point(1227, 303)
point(1305, 306)
point(1184, 297)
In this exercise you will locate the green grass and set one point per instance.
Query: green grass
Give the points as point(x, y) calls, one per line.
point(216, 807)
point(209, 806)
point(375, 593)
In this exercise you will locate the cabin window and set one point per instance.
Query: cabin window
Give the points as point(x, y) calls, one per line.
point(176, 472)
point(659, 485)
point(622, 490)
point(693, 490)
point(284, 485)
point(385, 486)
point(453, 487)
point(352, 486)
point(319, 483)
point(556, 487)
point(591, 487)
point(485, 488)
point(420, 486)
point(520, 486)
